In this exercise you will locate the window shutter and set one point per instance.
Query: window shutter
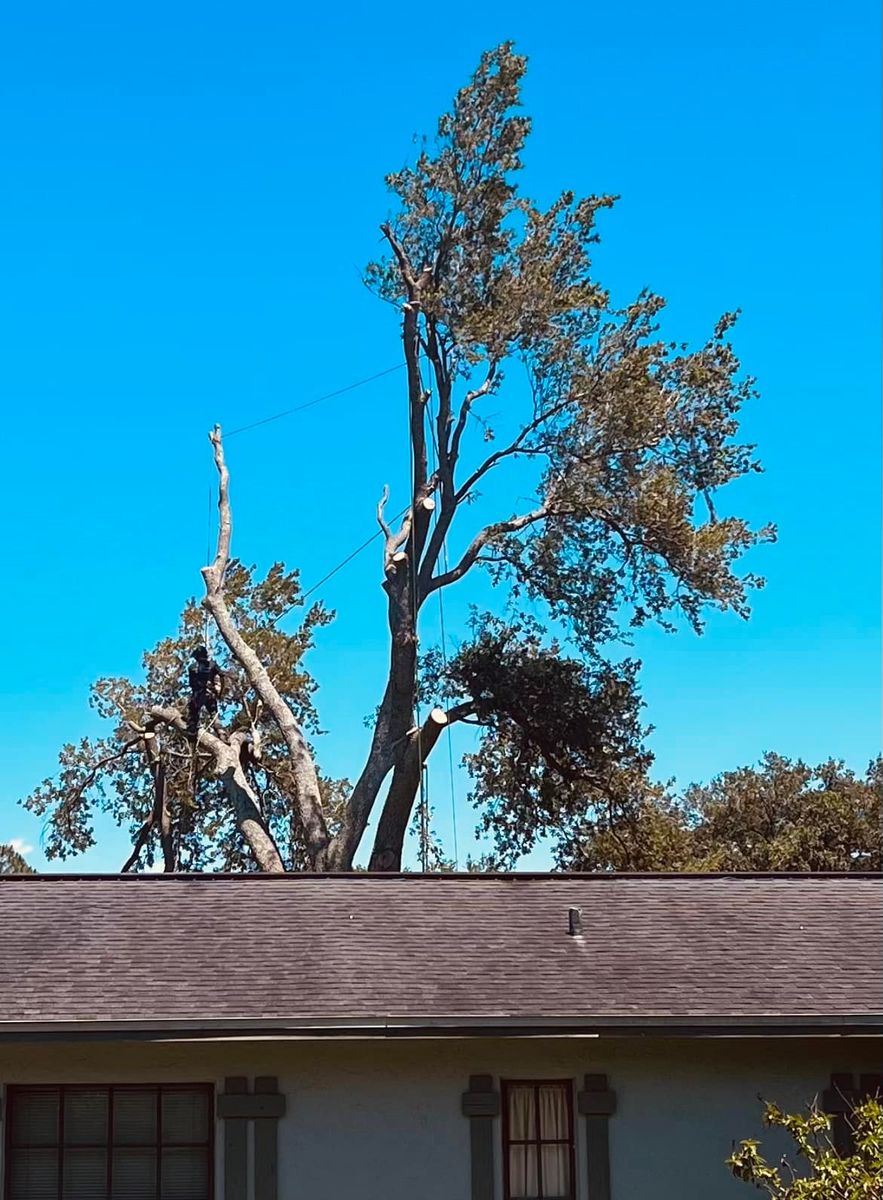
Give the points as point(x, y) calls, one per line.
point(481, 1104)
point(597, 1104)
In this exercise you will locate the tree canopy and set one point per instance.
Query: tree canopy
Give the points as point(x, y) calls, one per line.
point(630, 440)
point(779, 816)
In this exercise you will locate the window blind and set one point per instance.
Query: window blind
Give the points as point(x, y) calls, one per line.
point(109, 1143)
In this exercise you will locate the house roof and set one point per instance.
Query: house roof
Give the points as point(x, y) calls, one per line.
point(149, 955)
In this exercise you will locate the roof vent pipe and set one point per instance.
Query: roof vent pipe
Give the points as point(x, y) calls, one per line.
point(574, 921)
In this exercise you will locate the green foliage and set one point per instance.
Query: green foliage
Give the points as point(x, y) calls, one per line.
point(13, 863)
point(779, 816)
point(560, 736)
point(820, 1173)
point(631, 433)
point(789, 816)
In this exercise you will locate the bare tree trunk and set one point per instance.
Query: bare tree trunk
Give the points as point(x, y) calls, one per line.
point(166, 840)
point(161, 816)
point(389, 840)
point(411, 558)
point(307, 797)
point(402, 552)
point(248, 815)
point(394, 719)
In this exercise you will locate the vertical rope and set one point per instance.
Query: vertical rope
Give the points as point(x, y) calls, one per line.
point(448, 731)
point(444, 650)
point(424, 815)
point(208, 559)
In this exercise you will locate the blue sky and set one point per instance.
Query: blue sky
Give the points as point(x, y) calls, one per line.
point(187, 196)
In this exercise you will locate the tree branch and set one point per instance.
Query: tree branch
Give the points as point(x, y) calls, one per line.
point(73, 796)
point(481, 539)
point(394, 541)
point(400, 256)
point(159, 817)
point(465, 408)
point(514, 447)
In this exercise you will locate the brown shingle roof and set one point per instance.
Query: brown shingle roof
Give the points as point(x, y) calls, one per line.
point(212, 952)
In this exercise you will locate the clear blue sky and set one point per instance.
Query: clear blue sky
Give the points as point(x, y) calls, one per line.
point(187, 195)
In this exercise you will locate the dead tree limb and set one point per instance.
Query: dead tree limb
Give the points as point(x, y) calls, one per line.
point(307, 797)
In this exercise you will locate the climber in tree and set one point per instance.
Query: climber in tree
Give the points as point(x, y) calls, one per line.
point(206, 685)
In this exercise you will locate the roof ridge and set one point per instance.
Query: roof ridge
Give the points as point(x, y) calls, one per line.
point(430, 877)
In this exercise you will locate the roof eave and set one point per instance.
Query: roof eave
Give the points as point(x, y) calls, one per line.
point(246, 1028)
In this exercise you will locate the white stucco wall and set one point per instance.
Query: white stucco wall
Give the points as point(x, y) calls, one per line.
point(381, 1120)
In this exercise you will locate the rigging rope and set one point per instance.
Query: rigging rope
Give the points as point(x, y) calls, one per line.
point(350, 387)
point(444, 650)
point(208, 559)
point(424, 814)
point(448, 731)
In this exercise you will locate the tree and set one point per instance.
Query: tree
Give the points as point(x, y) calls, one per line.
point(780, 816)
point(11, 862)
point(823, 1174)
point(629, 438)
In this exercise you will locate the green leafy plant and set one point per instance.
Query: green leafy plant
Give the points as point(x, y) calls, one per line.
point(823, 1173)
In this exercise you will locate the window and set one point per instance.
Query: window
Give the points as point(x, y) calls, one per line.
point(538, 1150)
point(109, 1143)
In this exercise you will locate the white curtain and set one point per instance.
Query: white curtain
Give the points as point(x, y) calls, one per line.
point(523, 1172)
point(522, 1127)
point(522, 1115)
point(554, 1126)
point(556, 1172)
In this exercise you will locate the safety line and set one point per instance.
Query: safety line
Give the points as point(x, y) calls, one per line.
point(312, 403)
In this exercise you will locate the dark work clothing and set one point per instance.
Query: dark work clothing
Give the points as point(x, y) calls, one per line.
point(204, 676)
